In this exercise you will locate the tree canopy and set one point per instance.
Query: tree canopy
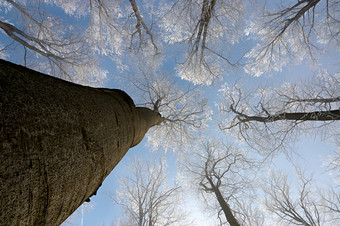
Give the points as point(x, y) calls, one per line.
point(237, 87)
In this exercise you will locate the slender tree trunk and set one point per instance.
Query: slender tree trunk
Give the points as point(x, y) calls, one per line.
point(224, 205)
point(58, 142)
point(140, 215)
point(226, 209)
point(150, 215)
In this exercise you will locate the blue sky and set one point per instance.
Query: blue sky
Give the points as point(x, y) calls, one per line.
point(312, 152)
point(104, 211)
point(311, 149)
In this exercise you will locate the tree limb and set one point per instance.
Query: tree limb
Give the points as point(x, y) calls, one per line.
point(296, 116)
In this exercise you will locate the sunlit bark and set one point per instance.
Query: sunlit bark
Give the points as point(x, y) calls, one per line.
point(59, 141)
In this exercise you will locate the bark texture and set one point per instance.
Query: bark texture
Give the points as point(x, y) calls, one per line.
point(58, 142)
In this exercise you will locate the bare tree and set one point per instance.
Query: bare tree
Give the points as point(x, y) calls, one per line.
point(205, 26)
point(209, 29)
point(70, 49)
point(146, 196)
point(331, 203)
point(184, 111)
point(332, 162)
point(62, 50)
point(218, 171)
point(292, 32)
point(272, 118)
point(145, 28)
point(307, 207)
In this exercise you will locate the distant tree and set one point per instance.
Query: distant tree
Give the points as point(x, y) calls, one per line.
point(332, 162)
point(291, 32)
point(205, 31)
point(184, 111)
point(142, 26)
point(146, 196)
point(209, 28)
point(309, 205)
point(272, 118)
point(221, 175)
point(62, 49)
point(112, 28)
point(81, 212)
point(55, 45)
point(218, 172)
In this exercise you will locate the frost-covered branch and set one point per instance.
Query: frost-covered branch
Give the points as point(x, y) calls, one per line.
point(201, 28)
point(140, 22)
point(146, 196)
point(218, 172)
point(183, 110)
point(67, 44)
point(208, 28)
point(272, 118)
point(306, 206)
point(332, 162)
point(61, 49)
point(331, 202)
point(295, 116)
point(292, 33)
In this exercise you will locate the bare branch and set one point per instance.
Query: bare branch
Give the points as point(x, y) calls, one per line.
point(217, 171)
point(146, 197)
point(272, 118)
point(305, 209)
point(296, 116)
point(291, 33)
point(140, 22)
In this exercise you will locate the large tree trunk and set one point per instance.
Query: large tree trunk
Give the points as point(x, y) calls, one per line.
point(58, 142)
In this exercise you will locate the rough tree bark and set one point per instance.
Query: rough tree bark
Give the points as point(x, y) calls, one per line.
point(58, 142)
